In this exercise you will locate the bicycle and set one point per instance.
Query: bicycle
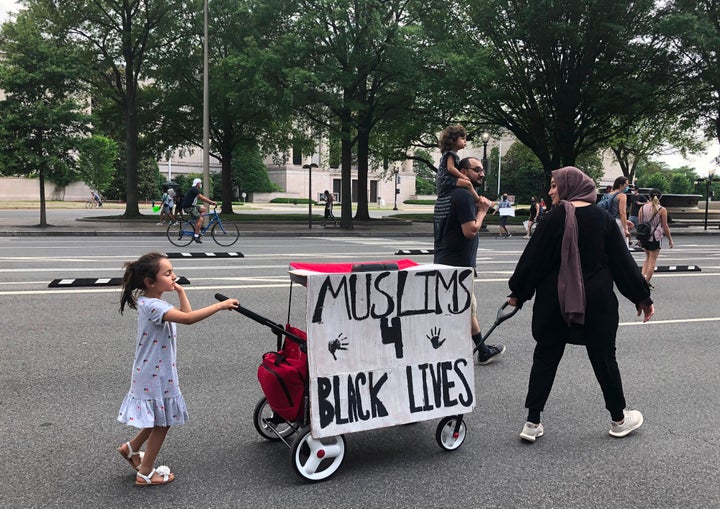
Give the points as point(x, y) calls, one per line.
point(91, 204)
point(224, 233)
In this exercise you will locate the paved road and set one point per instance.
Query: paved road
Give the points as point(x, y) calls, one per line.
point(66, 354)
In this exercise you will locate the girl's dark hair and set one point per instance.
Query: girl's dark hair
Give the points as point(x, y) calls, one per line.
point(133, 281)
point(450, 135)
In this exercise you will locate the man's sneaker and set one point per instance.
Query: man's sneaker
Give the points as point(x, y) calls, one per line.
point(197, 239)
point(491, 354)
point(508, 235)
point(531, 431)
point(632, 421)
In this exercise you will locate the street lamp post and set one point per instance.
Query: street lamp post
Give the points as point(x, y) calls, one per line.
point(206, 104)
point(309, 168)
point(708, 182)
point(397, 191)
point(485, 163)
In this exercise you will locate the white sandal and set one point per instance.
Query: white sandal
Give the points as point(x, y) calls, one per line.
point(146, 480)
point(128, 457)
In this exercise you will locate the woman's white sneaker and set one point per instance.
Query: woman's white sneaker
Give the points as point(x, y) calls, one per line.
point(531, 431)
point(632, 421)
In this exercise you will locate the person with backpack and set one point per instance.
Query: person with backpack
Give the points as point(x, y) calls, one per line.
point(615, 203)
point(655, 216)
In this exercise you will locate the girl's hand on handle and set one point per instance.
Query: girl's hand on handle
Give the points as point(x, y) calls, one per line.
point(512, 301)
point(229, 304)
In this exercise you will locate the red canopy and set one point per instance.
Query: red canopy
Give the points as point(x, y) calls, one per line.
point(340, 268)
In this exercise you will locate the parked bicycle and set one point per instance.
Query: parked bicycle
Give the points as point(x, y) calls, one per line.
point(224, 233)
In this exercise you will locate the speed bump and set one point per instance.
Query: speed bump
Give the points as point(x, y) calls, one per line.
point(91, 281)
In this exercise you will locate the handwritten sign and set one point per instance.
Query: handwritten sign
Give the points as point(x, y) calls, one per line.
point(389, 347)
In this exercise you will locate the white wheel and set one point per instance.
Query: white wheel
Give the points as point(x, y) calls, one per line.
point(316, 459)
point(269, 425)
point(446, 437)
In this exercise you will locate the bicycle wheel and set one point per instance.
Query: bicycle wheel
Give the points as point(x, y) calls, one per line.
point(88, 205)
point(180, 233)
point(225, 233)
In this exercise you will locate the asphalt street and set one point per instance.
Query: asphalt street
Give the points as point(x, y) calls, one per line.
point(67, 354)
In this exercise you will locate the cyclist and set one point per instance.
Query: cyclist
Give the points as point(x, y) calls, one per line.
point(193, 210)
point(96, 198)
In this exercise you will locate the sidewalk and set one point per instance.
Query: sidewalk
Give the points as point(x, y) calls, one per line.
point(24, 223)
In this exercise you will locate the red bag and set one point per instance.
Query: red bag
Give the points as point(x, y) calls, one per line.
point(283, 375)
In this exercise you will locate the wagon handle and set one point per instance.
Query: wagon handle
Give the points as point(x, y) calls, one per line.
point(502, 315)
point(275, 327)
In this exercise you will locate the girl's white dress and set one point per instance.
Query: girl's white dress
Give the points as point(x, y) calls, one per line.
point(154, 398)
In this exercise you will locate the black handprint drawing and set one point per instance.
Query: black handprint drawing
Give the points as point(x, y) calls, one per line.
point(336, 344)
point(434, 338)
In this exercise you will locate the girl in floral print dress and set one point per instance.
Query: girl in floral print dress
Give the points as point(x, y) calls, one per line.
point(154, 402)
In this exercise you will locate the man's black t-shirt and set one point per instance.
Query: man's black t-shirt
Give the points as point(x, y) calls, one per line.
point(190, 199)
point(451, 212)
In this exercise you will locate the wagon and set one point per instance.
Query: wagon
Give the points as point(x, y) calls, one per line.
point(387, 344)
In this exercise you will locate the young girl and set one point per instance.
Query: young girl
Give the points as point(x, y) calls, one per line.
point(154, 402)
point(452, 139)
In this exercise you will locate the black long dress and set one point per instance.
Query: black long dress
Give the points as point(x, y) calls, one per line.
point(604, 258)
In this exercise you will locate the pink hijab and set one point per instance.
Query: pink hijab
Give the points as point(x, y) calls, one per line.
point(572, 185)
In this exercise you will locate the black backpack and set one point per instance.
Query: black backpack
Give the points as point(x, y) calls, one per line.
point(644, 231)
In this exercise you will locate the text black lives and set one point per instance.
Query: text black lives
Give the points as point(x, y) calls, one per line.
point(348, 398)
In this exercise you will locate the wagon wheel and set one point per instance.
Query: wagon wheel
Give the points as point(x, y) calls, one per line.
point(316, 459)
point(447, 438)
point(268, 424)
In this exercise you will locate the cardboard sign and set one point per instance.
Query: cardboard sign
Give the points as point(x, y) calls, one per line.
point(388, 347)
point(507, 211)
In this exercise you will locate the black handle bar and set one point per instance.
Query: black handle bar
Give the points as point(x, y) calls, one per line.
point(501, 317)
point(278, 329)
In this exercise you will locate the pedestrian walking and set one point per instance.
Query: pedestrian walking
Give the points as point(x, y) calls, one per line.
point(572, 260)
point(656, 215)
point(329, 201)
point(458, 218)
point(532, 216)
point(503, 232)
point(154, 402)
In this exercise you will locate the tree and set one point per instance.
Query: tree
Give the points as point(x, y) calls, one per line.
point(522, 174)
point(250, 173)
point(248, 107)
point(120, 42)
point(657, 180)
point(40, 119)
point(98, 155)
point(149, 179)
point(694, 26)
point(354, 67)
point(564, 77)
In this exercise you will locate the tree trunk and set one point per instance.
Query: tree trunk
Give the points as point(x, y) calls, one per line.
point(346, 173)
point(362, 213)
point(43, 211)
point(131, 147)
